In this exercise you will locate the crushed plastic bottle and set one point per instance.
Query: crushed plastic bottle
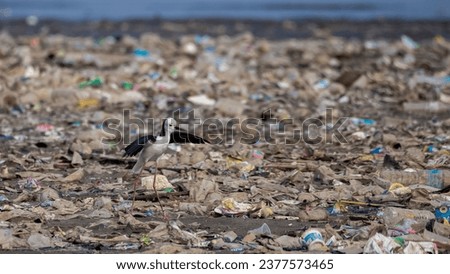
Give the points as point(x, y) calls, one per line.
point(436, 178)
point(430, 107)
point(393, 215)
point(436, 81)
point(409, 42)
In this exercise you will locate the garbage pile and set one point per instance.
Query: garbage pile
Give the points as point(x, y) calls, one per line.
point(321, 144)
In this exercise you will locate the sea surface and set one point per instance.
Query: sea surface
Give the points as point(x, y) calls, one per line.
point(75, 10)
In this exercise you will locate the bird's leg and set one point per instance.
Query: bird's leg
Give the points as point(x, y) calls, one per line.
point(134, 190)
point(156, 192)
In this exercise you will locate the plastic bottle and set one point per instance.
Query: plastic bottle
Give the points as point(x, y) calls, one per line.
point(394, 215)
point(436, 81)
point(434, 106)
point(436, 178)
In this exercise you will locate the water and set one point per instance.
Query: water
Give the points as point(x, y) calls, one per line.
point(229, 9)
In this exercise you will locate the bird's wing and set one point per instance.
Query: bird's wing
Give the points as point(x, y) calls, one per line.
point(137, 145)
point(182, 137)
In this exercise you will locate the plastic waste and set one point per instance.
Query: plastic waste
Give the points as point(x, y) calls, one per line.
point(420, 248)
point(321, 84)
point(139, 52)
point(96, 82)
point(436, 81)
point(436, 178)
point(229, 207)
point(380, 244)
point(44, 127)
point(89, 102)
point(394, 215)
point(290, 243)
point(155, 75)
point(314, 240)
point(32, 20)
point(201, 39)
point(6, 236)
point(201, 100)
point(363, 121)
point(409, 42)
point(442, 213)
point(173, 73)
point(377, 150)
point(3, 198)
point(427, 107)
point(399, 189)
point(405, 227)
point(264, 229)
point(31, 184)
point(127, 85)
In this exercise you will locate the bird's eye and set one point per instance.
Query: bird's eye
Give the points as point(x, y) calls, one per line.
point(443, 209)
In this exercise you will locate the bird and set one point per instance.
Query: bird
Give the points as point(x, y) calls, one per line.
point(151, 148)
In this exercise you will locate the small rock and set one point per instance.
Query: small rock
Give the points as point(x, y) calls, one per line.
point(103, 202)
point(288, 242)
point(250, 237)
point(318, 214)
point(76, 176)
point(76, 159)
point(201, 100)
point(224, 106)
point(200, 190)
point(161, 182)
point(48, 194)
point(5, 236)
point(229, 236)
point(190, 48)
point(37, 241)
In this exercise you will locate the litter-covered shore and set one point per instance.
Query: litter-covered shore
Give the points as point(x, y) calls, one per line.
point(319, 144)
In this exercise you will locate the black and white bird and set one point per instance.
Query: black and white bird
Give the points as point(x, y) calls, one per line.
point(150, 148)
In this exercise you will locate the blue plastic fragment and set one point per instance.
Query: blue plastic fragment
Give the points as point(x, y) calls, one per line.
point(141, 52)
point(363, 121)
point(376, 150)
point(442, 212)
